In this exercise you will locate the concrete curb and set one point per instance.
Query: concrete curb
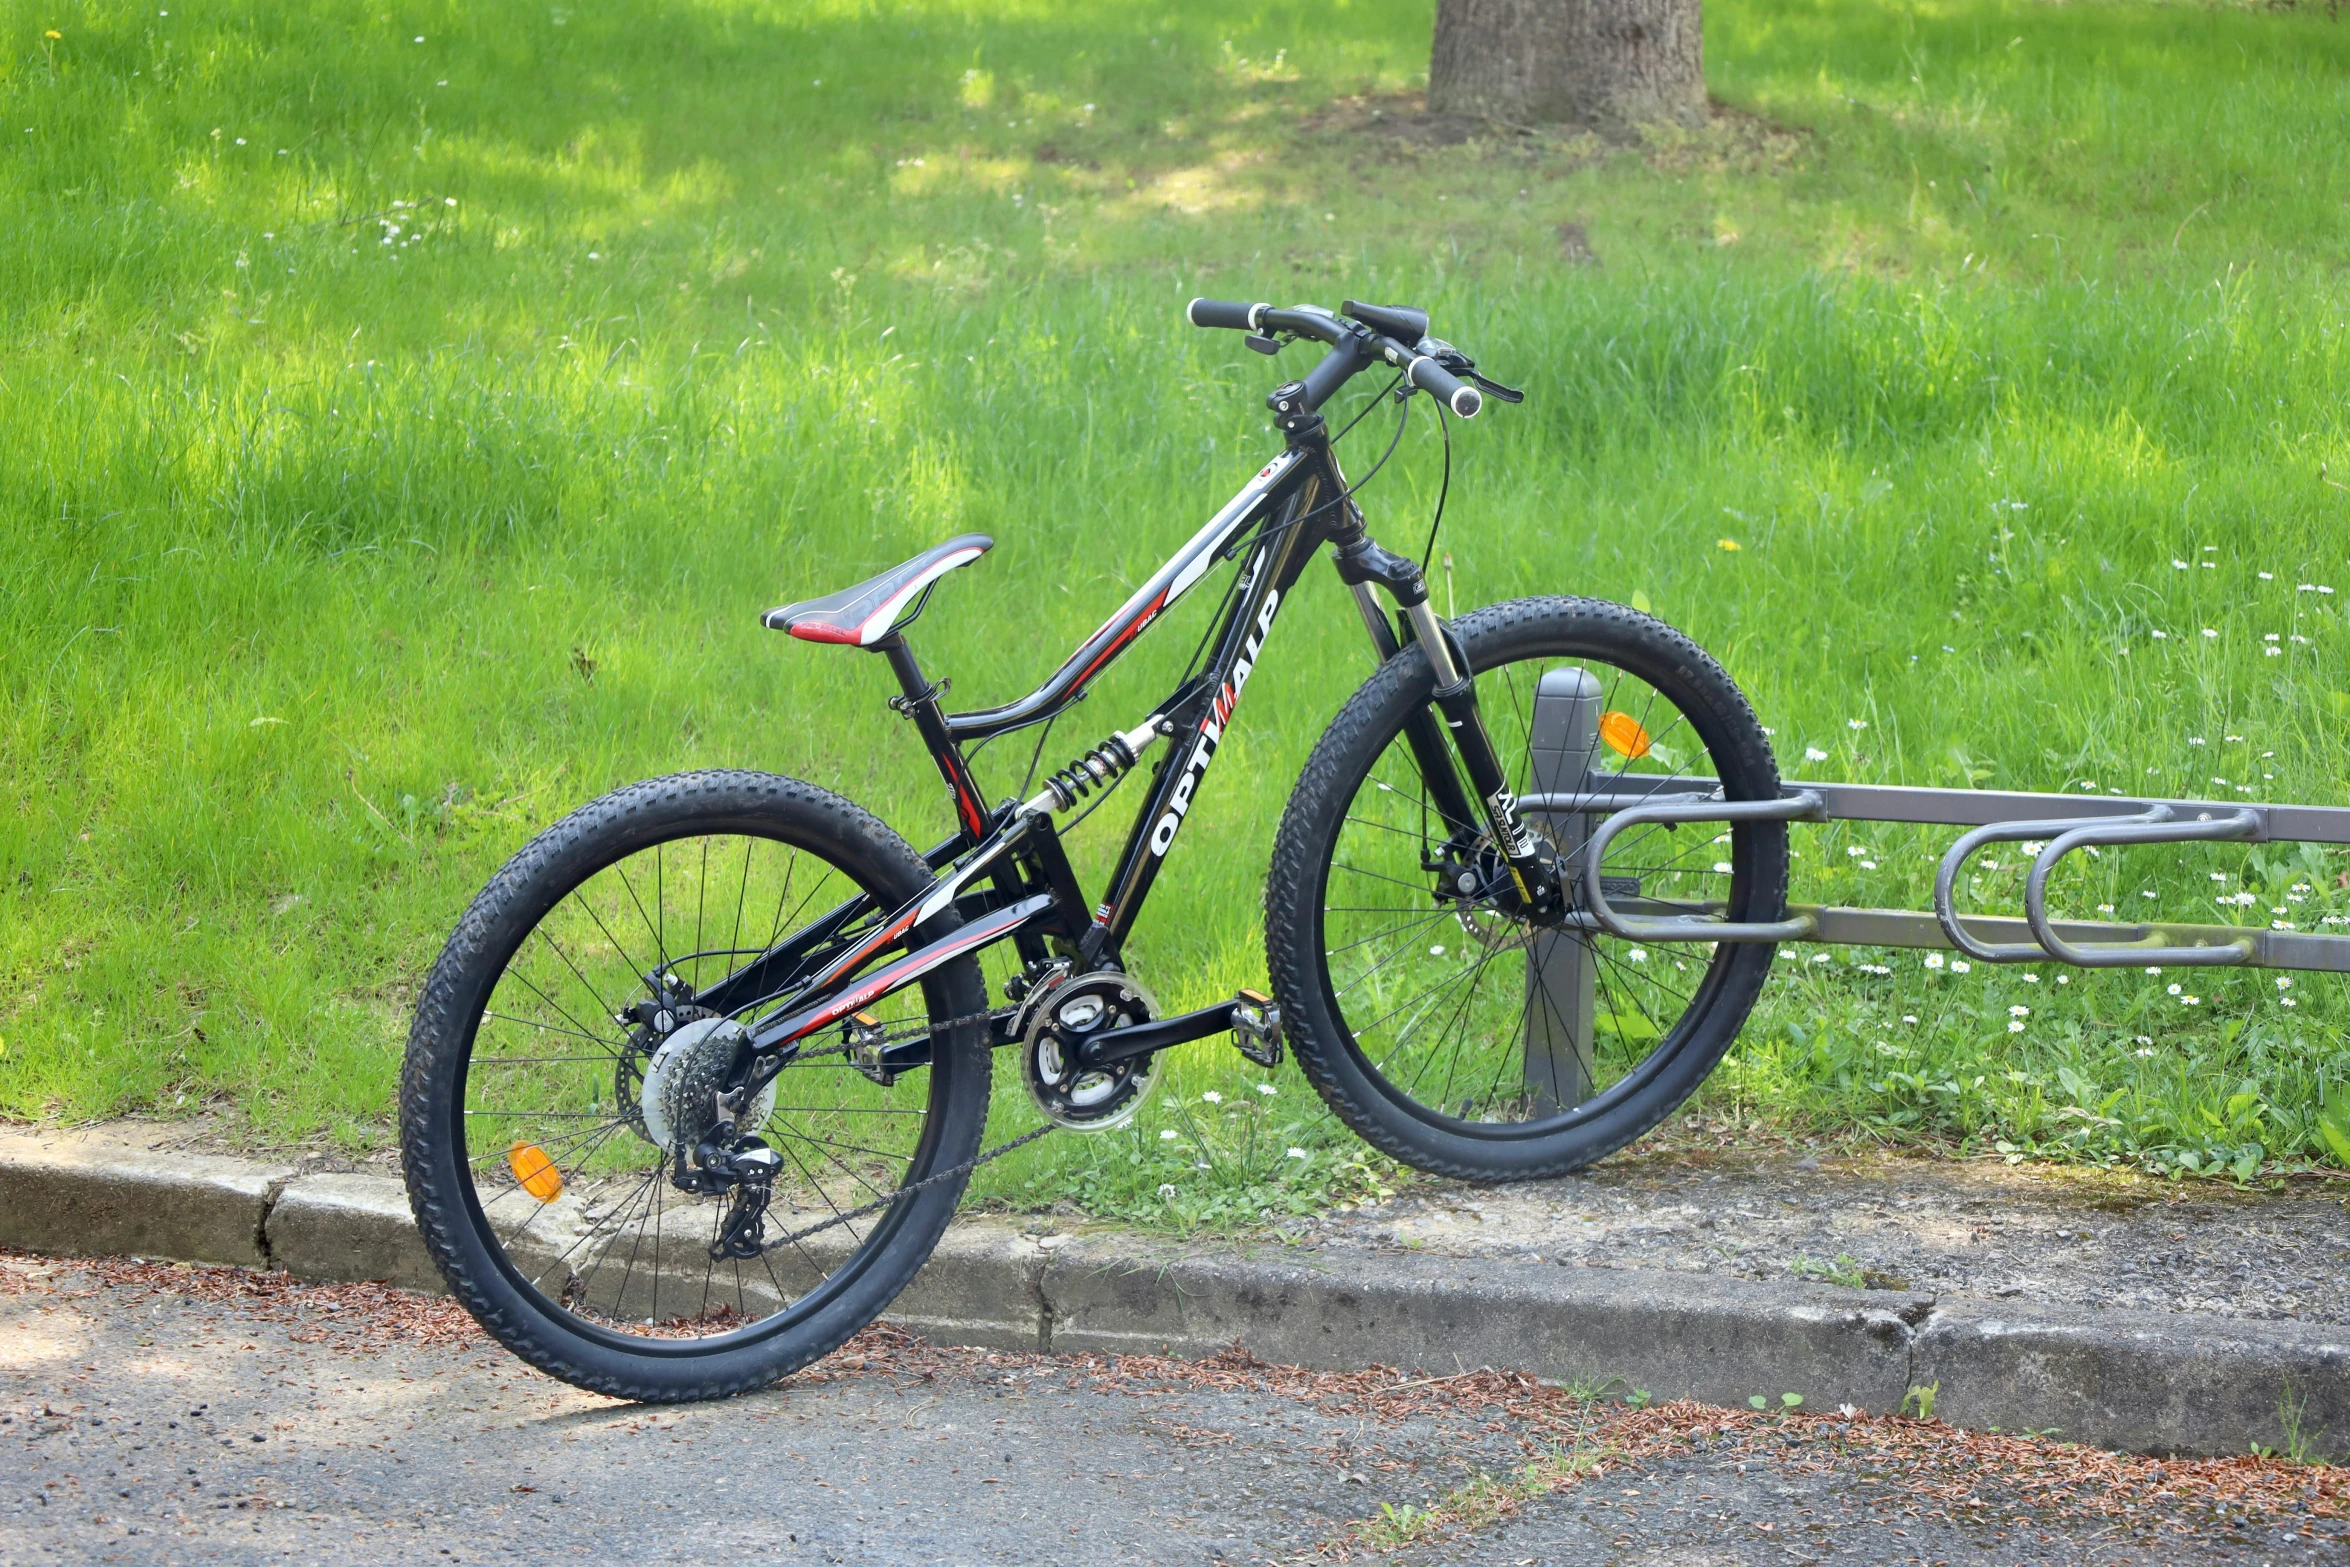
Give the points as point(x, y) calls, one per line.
point(69, 1197)
point(344, 1228)
point(2172, 1383)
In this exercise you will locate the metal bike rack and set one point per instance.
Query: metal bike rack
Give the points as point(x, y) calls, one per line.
point(2066, 822)
point(1584, 809)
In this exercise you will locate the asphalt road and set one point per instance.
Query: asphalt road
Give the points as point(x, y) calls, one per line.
point(150, 1413)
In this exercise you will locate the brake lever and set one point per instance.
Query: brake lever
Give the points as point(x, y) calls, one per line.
point(1508, 394)
point(1462, 365)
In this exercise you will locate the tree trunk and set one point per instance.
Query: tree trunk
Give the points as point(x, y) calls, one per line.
point(1605, 63)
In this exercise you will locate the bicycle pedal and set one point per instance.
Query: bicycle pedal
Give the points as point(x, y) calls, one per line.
point(1256, 1028)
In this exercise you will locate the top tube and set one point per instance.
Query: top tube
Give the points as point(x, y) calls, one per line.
point(1169, 583)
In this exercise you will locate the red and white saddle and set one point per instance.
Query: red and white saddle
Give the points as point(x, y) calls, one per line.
point(863, 615)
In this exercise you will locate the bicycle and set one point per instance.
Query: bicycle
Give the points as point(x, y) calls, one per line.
point(701, 1074)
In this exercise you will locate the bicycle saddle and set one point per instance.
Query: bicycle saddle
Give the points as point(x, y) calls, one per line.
point(863, 615)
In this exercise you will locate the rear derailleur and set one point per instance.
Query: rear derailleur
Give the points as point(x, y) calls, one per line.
point(724, 1162)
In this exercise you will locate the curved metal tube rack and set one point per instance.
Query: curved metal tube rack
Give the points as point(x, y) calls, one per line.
point(2066, 822)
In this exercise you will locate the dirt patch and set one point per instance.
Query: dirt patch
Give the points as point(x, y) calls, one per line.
point(354, 1318)
point(1961, 1476)
point(1732, 141)
point(1575, 244)
point(219, 1129)
point(430, 1435)
point(1403, 120)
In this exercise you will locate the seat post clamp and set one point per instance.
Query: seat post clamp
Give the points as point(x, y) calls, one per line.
point(905, 705)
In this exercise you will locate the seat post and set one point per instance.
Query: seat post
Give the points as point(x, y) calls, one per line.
point(902, 664)
point(920, 703)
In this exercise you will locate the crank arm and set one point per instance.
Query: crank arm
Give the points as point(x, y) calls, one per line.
point(1124, 1044)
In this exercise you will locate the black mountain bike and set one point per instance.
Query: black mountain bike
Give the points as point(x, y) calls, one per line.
point(701, 1075)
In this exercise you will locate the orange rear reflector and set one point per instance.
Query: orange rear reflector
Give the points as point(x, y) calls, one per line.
point(1623, 735)
point(534, 1171)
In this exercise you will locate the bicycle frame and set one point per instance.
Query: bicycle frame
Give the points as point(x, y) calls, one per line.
point(1004, 870)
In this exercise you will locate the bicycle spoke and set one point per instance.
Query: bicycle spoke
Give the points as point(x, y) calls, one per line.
point(602, 1008)
point(564, 1140)
point(818, 1187)
point(1376, 876)
point(660, 949)
point(1416, 922)
point(635, 973)
point(878, 1153)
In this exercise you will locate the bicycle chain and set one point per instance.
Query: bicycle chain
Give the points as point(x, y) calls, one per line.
point(965, 1168)
point(915, 1031)
point(928, 1181)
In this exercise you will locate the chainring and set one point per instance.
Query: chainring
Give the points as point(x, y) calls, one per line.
point(1071, 1011)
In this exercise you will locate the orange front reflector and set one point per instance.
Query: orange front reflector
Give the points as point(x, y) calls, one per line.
point(1623, 735)
point(534, 1171)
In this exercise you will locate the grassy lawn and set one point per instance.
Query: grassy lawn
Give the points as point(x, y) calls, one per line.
point(407, 414)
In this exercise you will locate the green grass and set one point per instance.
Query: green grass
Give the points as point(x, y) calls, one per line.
point(403, 436)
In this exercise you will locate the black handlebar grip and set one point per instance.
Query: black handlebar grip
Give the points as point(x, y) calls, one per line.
point(1456, 394)
point(1223, 313)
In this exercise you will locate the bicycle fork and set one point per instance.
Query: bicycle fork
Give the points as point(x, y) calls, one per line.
point(1361, 563)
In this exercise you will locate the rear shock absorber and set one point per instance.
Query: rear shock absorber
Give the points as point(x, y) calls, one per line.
point(1098, 768)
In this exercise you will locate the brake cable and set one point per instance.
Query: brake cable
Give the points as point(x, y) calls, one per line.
point(1354, 487)
point(1191, 665)
point(1443, 488)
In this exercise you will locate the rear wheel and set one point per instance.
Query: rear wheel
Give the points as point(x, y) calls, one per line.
point(561, 1053)
point(1434, 1015)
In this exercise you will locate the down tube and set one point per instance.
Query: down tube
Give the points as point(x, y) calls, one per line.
point(1275, 562)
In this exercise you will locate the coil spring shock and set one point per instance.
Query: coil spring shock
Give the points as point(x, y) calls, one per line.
point(1096, 769)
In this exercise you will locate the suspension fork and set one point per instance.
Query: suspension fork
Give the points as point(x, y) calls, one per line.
point(1422, 732)
point(1362, 563)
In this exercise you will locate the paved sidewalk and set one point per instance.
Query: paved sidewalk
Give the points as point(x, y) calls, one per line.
point(153, 1413)
point(2137, 1315)
point(1947, 1228)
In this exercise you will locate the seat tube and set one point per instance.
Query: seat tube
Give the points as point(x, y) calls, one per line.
point(920, 703)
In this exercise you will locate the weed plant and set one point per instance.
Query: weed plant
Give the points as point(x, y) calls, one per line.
point(407, 415)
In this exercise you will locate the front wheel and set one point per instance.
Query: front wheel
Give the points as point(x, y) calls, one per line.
point(572, 1040)
point(1438, 1017)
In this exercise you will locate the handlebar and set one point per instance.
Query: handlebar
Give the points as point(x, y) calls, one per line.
point(1456, 394)
point(1354, 344)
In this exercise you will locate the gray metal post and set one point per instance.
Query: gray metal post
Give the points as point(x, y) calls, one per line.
point(1559, 967)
